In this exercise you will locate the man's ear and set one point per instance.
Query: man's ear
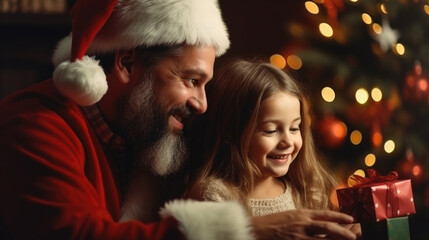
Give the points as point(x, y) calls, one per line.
point(123, 64)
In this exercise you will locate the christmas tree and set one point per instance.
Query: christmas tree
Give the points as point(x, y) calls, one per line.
point(366, 63)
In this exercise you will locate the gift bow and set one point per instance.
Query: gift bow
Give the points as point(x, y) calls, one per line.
point(374, 177)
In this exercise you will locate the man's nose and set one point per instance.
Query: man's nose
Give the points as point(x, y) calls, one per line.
point(198, 102)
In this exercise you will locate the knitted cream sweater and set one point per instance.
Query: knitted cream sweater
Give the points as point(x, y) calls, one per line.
point(217, 191)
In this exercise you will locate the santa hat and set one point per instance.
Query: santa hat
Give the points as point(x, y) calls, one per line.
point(101, 26)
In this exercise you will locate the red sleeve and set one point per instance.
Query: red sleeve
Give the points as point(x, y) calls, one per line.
point(44, 184)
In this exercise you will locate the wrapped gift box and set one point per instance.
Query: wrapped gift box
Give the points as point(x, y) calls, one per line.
point(387, 229)
point(372, 202)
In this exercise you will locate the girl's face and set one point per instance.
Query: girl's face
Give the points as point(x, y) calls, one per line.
point(277, 139)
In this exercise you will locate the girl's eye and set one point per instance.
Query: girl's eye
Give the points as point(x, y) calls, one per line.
point(270, 131)
point(294, 129)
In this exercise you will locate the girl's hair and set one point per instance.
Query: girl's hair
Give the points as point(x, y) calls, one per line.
point(220, 138)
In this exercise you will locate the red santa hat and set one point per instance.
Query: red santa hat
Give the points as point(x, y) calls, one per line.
point(101, 26)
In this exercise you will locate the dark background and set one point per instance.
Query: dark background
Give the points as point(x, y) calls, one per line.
point(257, 29)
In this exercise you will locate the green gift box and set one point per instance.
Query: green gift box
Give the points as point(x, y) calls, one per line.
point(387, 229)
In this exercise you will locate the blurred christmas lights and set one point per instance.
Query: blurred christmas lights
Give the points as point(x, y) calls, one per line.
point(355, 137)
point(311, 7)
point(389, 146)
point(328, 94)
point(370, 160)
point(278, 61)
point(326, 30)
point(362, 95)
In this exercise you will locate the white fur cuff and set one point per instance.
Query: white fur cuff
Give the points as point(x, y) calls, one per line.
point(209, 220)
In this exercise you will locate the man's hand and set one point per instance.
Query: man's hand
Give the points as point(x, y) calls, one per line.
point(303, 224)
point(355, 228)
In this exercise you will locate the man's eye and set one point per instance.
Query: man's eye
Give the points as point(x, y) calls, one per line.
point(193, 81)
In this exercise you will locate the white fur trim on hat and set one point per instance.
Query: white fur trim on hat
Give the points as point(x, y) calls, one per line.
point(209, 220)
point(83, 81)
point(156, 22)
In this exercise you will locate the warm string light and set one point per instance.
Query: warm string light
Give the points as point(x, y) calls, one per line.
point(328, 94)
point(366, 18)
point(278, 61)
point(426, 8)
point(376, 94)
point(292, 61)
point(383, 8)
point(326, 30)
point(355, 137)
point(351, 182)
point(370, 160)
point(389, 146)
point(362, 95)
point(311, 7)
point(398, 48)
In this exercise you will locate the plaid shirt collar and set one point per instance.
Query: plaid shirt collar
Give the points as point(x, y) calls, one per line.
point(104, 134)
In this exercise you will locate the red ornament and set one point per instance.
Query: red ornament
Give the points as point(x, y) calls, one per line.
point(416, 86)
point(410, 168)
point(376, 135)
point(330, 131)
point(405, 167)
point(332, 9)
point(371, 112)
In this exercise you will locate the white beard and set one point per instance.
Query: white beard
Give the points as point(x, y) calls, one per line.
point(166, 156)
point(145, 193)
point(158, 152)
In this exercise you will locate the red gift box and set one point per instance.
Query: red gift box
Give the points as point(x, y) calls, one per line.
point(377, 198)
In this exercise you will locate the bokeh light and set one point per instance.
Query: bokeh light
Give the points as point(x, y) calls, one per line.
point(376, 138)
point(311, 7)
point(351, 182)
point(362, 95)
point(294, 62)
point(376, 28)
point(376, 94)
point(328, 94)
point(389, 146)
point(417, 170)
point(383, 8)
point(400, 49)
point(426, 9)
point(366, 18)
point(278, 61)
point(359, 172)
point(356, 137)
point(326, 30)
point(370, 160)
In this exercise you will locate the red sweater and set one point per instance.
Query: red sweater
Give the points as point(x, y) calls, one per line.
point(56, 182)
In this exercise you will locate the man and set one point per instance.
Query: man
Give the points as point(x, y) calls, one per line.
point(66, 143)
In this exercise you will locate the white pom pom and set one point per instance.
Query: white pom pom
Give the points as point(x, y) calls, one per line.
point(83, 81)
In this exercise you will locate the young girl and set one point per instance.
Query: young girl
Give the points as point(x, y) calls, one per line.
point(255, 145)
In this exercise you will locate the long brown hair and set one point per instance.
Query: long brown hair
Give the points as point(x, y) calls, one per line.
point(220, 138)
